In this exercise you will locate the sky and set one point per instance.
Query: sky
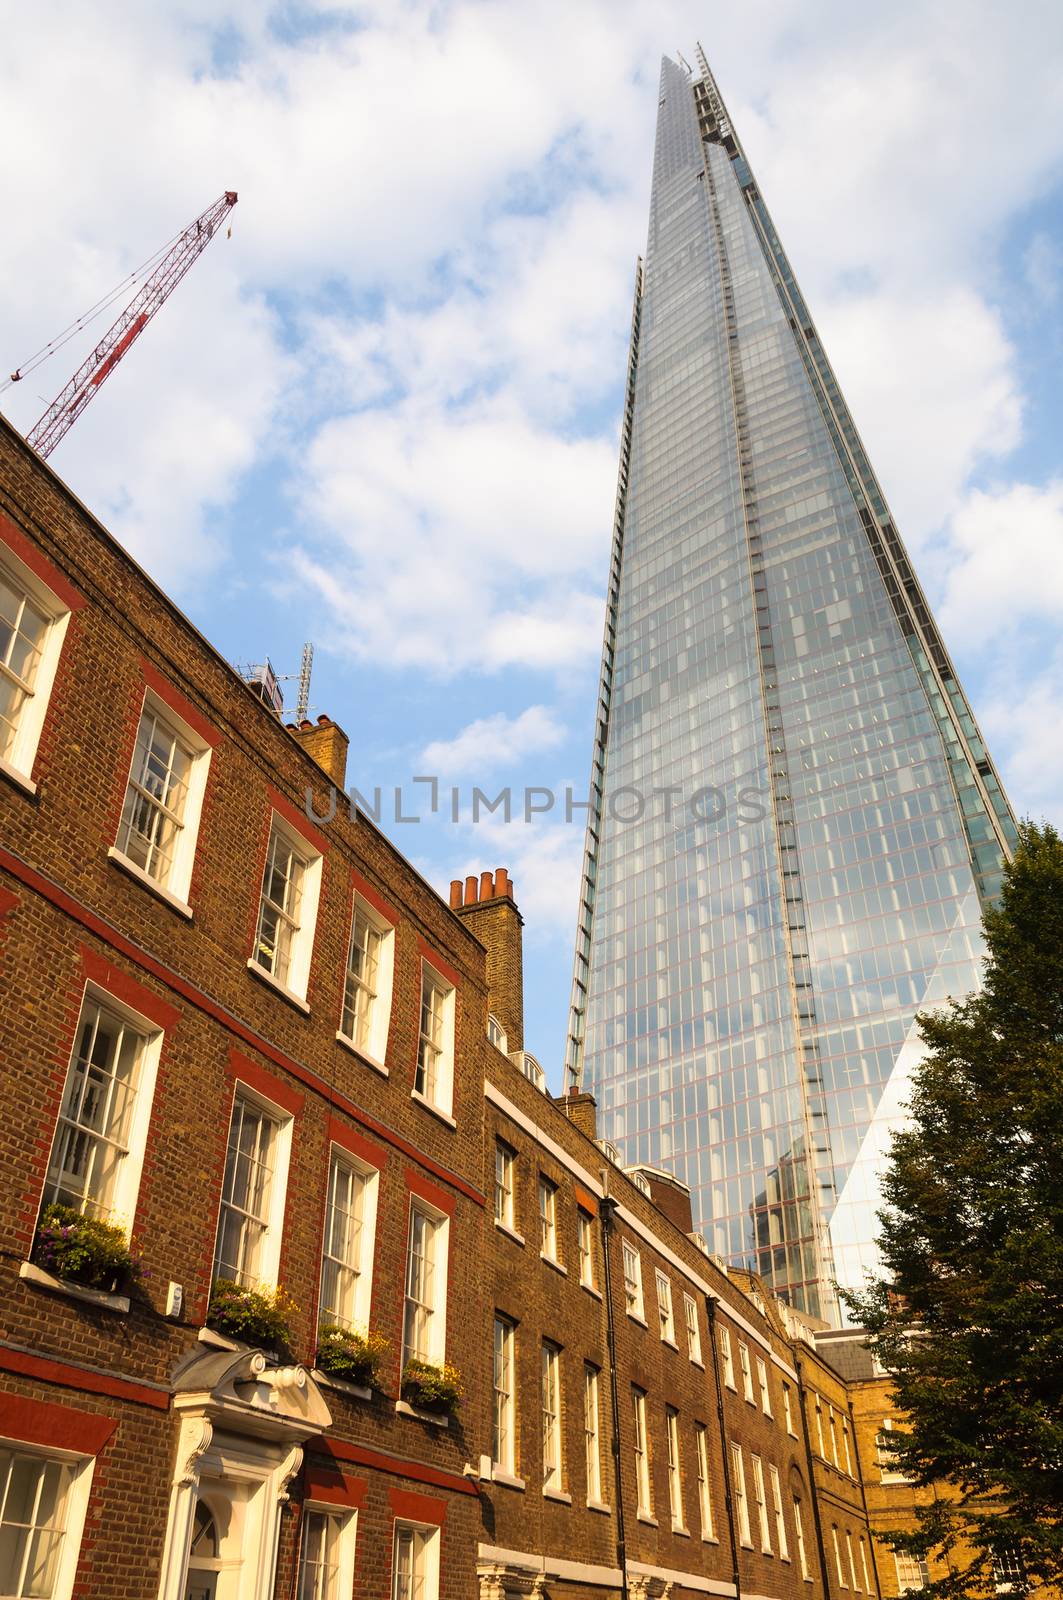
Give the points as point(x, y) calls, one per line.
point(384, 415)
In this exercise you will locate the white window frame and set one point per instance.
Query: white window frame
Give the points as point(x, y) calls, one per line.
point(905, 1584)
point(788, 1411)
point(23, 753)
point(505, 1185)
point(762, 1384)
point(585, 1247)
point(442, 1100)
point(802, 1552)
point(269, 1246)
point(747, 1372)
point(375, 1046)
point(761, 1497)
point(504, 1417)
point(346, 1535)
point(436, 1348)
point(547, 1218)
point(690, 1313)
point(701, 1439)
point(846, 1447)
point(633, 1298)
point(74, 1509)
point(852, 1560)
point(176, 885)
point(356, 1314)
point(665, 1313)
point(592, 1433)
point(121, 1204)
point(819, 1429)
point(428, 1534)
point(550, 1403)
point(738, 1476)
point(838, 1556)
point(723, 1340)
point(780, 1521)
point(296, 979)
point(832, 1424)
point(643, 1484)
point(884, 1456)
point(675, 1474)
point(863, 1564)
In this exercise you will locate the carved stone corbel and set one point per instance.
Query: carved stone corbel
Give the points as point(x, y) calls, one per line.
point(193, 1443)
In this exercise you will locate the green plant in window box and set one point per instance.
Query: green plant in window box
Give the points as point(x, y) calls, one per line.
point(430, 1388)
point(261, 1317)
point(86, 1251)
point(356, 1357)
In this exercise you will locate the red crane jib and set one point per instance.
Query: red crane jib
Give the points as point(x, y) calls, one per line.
point(152, 294)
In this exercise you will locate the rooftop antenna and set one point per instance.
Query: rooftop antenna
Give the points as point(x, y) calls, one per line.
point(302, 704)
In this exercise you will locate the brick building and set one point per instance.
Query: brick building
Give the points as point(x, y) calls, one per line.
point(240, 1028)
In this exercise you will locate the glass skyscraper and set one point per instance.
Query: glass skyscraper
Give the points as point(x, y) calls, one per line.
point(794, 816)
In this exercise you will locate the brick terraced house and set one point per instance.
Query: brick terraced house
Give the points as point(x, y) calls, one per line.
point(244, 1045)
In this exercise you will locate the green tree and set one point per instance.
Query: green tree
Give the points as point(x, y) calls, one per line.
point(967, 1314)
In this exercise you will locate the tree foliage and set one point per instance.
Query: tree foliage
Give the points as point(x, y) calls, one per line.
point(967, 1314)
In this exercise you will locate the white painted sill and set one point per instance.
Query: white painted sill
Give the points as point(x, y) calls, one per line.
point(510, 1233)
point(341, 1385)
point(709, 1538)
point(259, 972)
point(220, 1341)
point(651, 1522)
point(507, 1480)
point(597, 1293)
point(435, 1418)
point(360, 1055)
point(679, 1531)
point(552, 1261)
point(696, 1361)
point(670, 1343)
point(444, 1116)
point(146, 881)
point(19, 779)
point(73, 1291)
point(639, 1318)
point(599, 1505)
point(562, 1496)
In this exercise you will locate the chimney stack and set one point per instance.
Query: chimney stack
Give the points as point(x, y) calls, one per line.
point(487, 906)
point(326, 743)
point(581, 1109)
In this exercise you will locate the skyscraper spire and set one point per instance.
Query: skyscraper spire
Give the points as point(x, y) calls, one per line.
point(793, 815)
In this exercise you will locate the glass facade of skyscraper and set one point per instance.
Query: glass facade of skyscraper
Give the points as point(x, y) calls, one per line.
point(794, 818)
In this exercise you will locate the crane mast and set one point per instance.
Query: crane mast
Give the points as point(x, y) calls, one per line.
point(97, 368)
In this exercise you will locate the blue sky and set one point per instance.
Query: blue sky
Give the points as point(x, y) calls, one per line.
point(383, 416)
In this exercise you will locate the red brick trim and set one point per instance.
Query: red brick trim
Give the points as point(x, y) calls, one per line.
point(436, 962)
point(349, 1139)
point(39, 1422)
point(198, 997)
point(137, 996)
point(428, 1191)
point(177, 702)
point(72, 1377)
point(376, 900)
point(264, 1083)
point(326, 1482)
point(297, 819)
point(8, 902)
point(34, 558)
point(585, 1199)
point(415, 1471)
point(417, 1507)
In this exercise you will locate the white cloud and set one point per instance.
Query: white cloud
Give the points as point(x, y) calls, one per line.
point(1004, 563)
point(543, 859)
point(492, 742)
point(932, 384)
point(1021, 717)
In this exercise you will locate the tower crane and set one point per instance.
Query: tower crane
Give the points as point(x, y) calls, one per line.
point(97, 368)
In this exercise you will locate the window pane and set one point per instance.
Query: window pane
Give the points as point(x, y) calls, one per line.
point(33, 1501)
point(246, 1193)
point(153, 812)
point(341, 1262)
point(92, 1136)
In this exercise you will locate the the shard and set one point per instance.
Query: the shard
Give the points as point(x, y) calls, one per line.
point(794, 817)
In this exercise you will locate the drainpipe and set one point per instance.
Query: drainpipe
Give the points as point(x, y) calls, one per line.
point(863, 1498)
point(812, 1489)
point(606, 1209)
point(710, 1307)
